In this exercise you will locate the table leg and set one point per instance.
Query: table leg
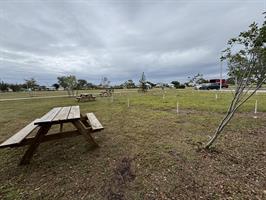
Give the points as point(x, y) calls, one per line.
point(83, 119)
point(61, 127)
point(78, 124)
point(35, 143)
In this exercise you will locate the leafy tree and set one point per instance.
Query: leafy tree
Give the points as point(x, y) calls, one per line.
point(81, 84)
point(69, 83)
point(245, 56)
point(178, 85)
point(31, 83)
point(15, 87)
point(3, 86)
point(121, 86)
point(197, 79)
point(62, 81)
point(42, 87)
point(105, 82)
point(231, 80)
point(56, 85)
point(91, 85)
point(143, 83)
point(129, 84)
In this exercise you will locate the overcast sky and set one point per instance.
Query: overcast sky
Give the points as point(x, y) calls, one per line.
point(167, 39)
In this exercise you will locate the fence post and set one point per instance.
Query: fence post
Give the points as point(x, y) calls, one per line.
point(256, 109)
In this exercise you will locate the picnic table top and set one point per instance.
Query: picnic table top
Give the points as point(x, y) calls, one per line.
point(60, 115)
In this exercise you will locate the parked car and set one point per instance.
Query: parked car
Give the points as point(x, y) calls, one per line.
point(224, 82)
point(208, 86)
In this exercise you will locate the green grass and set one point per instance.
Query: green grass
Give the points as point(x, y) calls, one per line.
point(147, 151)
point(13, 95)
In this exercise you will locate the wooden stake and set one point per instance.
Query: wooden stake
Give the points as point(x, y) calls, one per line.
point(256, 109)
point(216, 96)
point(177, 107)
point(128, 102)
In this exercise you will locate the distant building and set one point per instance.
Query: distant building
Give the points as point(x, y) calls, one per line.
point(50, 88)
point(160, 85)
point(61, 88)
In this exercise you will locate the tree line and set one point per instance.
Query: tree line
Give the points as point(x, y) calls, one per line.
point(64, 82)
point(71, 83)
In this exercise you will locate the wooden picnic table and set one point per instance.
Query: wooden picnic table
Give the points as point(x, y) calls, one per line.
point(106, 93)
point(86, 97)
point(60, 115)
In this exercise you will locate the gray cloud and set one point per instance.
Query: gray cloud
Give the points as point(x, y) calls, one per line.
point(168, 40)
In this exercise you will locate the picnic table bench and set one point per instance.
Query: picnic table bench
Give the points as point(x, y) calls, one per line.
point(86, 97)
point(84, 124)
point(106, 93)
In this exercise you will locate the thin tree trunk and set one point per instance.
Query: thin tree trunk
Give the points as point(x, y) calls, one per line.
point(221, 127)
point(214, 137)
point(235, 104)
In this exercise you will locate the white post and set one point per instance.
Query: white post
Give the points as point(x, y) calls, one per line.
point(216, 96)
point(256, 109)
point(221, 75)
point(177, 107)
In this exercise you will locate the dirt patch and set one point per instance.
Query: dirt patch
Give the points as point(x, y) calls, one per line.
point(123, 173)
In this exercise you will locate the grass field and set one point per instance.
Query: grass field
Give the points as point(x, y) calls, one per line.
point(34, 94)
point(147, 150)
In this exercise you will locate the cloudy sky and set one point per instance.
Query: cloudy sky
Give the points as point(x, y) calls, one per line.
point(120, 39)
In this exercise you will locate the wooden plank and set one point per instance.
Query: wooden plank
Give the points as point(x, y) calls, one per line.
point(19, 136)
point(50, 137)
point(94, 122)
point(34, 144)
point(85, 132)
point(62, 115)
point(48, 117)
point(74, 113)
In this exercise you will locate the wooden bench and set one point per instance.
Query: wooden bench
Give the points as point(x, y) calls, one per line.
point(86, 97)
point(94, 122)
point(106, 93)
point(19, 136)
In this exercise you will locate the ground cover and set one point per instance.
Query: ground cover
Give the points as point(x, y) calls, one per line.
point(147, 150)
